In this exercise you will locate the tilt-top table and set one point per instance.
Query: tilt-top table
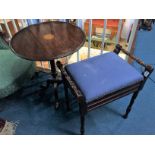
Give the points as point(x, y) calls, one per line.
point(46, 42)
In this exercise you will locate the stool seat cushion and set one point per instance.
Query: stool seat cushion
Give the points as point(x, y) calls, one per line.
point(102, 75)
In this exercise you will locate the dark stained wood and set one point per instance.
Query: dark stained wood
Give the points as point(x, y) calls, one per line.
point(85, 107)
point(47, 41)
point(139, 61)
point(2, 123)
point(70, 82)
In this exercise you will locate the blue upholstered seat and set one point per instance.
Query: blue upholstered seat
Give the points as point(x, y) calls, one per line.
point(103, 74)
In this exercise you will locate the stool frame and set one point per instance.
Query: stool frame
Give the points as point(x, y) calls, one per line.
point(86, 107)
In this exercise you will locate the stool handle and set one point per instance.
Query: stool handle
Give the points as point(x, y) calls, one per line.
point(119, 48)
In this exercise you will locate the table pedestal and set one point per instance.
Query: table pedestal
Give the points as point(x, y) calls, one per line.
point(55, 82)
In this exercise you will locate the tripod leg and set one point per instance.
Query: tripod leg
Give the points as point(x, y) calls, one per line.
point(56, 96)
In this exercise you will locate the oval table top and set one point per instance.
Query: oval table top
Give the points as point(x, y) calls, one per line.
point(47, 41)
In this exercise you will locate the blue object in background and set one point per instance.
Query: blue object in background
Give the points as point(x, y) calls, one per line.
point(62, 20)
point(32, 21)
point(79, 23)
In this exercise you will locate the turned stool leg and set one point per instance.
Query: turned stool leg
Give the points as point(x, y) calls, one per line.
point(82, 129)
point(83, 110)
point(67, 97)
point(130, 105)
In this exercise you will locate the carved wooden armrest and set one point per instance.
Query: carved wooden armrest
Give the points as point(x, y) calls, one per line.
point(148, 68)
point(72, 84)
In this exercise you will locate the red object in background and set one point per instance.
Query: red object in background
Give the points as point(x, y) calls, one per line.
point(112, 24)
point(100, 22)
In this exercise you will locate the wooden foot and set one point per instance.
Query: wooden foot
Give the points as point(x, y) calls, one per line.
point(130, 105)
point(82, 125)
